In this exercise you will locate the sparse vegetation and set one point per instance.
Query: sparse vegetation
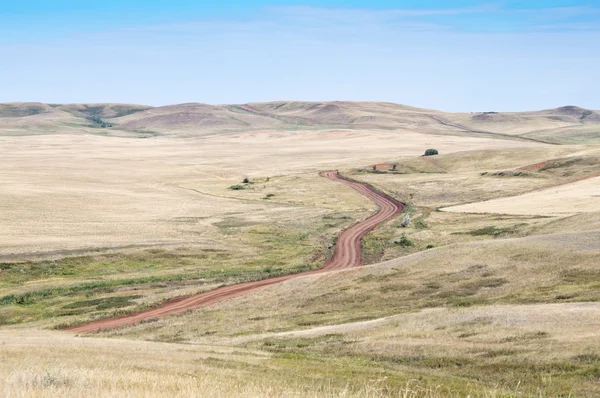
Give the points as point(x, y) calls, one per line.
point(9, 110)
point(495, 232)
point(133, 225)
point(508, 173)
point(97, 121)
point(420, 223)
point(404, 241)
point(586, 113)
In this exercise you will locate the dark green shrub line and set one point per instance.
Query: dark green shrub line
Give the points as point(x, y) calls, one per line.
point(96, 120)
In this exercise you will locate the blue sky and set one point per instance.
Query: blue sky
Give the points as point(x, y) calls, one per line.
point(449, 55)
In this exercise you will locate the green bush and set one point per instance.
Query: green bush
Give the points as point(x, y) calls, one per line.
point(419, 223)
point(237, 187)
point(404, 241)
point(431, 152)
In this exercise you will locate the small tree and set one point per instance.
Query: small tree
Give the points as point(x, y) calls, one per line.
point(431, 152)
point(246, 180)
point(394, 166)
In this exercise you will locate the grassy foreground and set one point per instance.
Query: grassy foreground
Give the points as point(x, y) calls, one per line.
point(477, 305)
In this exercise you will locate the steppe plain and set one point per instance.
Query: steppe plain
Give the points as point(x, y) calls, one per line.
point(493, 290)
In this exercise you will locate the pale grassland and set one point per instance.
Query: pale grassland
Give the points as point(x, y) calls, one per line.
point(95, 223)
point(429, 184)
point(536, 269)
point(49, 364)
point(467, 177)
point(108, 203)
point(91, 212)
point(569, 135)
point(578, 197)
point(511, 315)
point(65, 193)
point(79, 288)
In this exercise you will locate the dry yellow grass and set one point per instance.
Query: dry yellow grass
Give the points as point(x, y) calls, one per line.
point(50, 364)
point(275, 342)
point(536, 268)
point(578, 197)
point(70, 193)
point(42, 363)
point(504, 305)
point(461, 315)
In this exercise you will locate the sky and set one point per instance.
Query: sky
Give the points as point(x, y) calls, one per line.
point(447, 55)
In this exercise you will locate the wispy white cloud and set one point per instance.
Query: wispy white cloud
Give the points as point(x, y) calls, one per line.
point(483, 18)
point(309, 21)
point(341, 13)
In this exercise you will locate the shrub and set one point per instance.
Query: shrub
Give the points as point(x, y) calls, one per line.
point(431, 152)
point(237, 187)
point(420, 224)
point(404, 241)
point(246, 180)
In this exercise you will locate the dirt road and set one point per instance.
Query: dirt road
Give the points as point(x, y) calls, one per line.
point(346, 255)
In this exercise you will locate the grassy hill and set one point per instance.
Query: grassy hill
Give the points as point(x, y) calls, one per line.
point(567, 124)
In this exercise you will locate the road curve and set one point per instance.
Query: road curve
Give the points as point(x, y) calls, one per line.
point(346, 255)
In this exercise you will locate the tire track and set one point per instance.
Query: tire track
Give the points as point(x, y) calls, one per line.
point(346, 255)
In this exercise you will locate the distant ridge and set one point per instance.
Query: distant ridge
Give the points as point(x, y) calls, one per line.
point(197, 119)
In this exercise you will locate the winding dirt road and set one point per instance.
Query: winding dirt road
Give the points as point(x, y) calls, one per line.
point(346, 255)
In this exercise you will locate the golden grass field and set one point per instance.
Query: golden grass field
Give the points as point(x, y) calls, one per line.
point(492, 291)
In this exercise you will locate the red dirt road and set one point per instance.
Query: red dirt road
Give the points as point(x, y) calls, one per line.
point(346, 255)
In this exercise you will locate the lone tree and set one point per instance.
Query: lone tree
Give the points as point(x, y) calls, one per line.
point(431, 152)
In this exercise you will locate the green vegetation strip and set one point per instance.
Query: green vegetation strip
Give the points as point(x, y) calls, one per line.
point(99, 286)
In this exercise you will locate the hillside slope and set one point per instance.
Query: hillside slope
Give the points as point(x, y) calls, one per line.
point(567, 124)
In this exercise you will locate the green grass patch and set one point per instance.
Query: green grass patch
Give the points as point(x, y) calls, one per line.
point(494, 231)
point(373, 246)
point(104, 303)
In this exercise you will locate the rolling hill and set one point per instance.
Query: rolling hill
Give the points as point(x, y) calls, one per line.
point(568, 124)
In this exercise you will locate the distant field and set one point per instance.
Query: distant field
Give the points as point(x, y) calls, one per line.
point(65, 193)
point(578, 197)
